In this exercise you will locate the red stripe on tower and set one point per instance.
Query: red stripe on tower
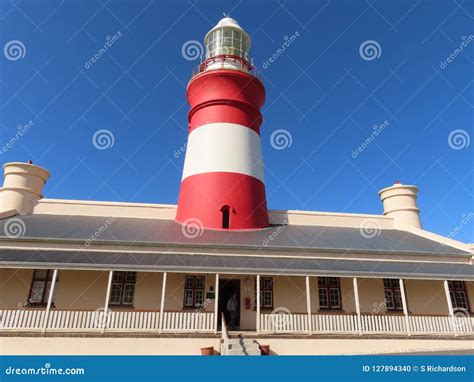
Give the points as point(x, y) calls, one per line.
point(222, 185)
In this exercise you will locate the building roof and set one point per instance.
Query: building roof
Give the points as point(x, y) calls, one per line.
point(295, 238)
point(232, 264)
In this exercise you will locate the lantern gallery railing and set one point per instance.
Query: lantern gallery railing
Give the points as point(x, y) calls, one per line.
point(366, 323)
point(98, 320)
point(226, 61)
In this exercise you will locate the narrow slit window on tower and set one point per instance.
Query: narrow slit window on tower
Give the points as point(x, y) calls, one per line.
point(225, 217)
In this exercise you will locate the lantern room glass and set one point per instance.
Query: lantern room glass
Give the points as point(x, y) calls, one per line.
point(227, 41)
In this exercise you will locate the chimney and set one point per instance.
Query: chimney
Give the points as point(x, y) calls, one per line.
point(399, 202)
point(22, 188)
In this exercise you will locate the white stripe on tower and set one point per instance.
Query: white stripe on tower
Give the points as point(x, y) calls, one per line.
point(224, 147)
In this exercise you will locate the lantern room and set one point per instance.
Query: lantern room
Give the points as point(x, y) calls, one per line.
point(227, 47)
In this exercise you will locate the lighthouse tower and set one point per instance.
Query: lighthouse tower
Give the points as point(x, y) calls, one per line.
point(222, 185)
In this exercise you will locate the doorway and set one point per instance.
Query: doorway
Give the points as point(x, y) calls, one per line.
point(227, 288)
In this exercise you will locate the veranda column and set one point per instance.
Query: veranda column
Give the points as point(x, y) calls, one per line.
point(450, 306)
point(50, 300)
point(258, 303)
point(308, 305)
point(162, 302)
point(357, 303)
point(405, 307)
point(106, 304)
point(216, 305)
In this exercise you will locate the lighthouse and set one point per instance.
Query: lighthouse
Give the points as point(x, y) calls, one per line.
point(222, 186)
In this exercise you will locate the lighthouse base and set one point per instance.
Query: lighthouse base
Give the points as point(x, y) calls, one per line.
point(205, 198)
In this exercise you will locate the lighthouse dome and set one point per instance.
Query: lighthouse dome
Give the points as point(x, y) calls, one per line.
point(228, 22)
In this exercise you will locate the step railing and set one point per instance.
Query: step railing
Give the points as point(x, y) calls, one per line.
point(224, 335)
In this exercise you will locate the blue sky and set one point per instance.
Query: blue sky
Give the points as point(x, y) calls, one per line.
point(322, 90)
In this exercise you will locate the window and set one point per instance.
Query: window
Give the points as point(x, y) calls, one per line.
point(393, 296)
point(225, 217)
point(40, 286)
point(329, 291)
point(194, 291)
point(123, 288)
point(266, 293)
point(457, 291)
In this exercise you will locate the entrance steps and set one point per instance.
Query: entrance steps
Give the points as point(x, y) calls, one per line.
point(240, 346)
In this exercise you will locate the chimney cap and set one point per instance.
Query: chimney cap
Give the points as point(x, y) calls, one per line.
point(27, 167)
point(399, 186)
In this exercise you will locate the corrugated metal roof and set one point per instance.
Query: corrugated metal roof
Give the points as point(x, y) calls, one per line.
point(232, 264)
point(167, 232)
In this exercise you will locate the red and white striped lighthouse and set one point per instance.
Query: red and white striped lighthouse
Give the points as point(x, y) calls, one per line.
point(222, 185)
